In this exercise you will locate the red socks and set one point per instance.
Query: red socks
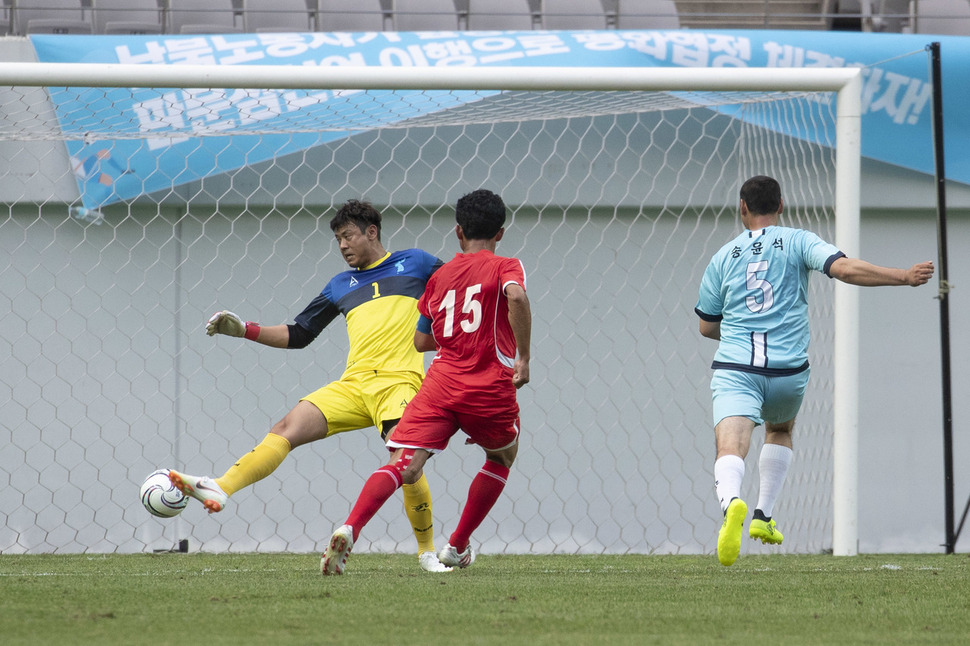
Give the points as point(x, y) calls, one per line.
point(380, 486)
point(484, 491)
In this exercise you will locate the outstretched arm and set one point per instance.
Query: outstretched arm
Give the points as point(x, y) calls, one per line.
point(275, 336)
point(520, 318)
point(865, 274)
point(229, 324)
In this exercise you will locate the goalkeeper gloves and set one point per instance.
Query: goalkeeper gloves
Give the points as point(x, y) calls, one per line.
point(225, 322)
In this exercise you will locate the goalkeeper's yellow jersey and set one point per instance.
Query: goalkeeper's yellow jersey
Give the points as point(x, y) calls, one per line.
point(379, 303)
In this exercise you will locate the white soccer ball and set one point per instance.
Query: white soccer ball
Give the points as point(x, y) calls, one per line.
point(160, 497)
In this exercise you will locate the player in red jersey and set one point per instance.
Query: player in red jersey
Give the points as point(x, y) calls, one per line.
point(476, 314)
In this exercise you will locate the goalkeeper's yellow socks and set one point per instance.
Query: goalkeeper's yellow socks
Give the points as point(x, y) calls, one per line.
point(417, 505)
point(255, 465)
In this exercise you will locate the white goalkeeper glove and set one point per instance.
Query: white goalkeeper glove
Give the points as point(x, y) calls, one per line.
point(225, 322)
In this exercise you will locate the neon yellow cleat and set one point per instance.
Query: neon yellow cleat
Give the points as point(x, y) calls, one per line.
point(765, 531)
point(729, 538)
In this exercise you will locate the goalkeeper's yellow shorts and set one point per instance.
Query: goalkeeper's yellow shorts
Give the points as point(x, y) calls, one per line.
point(365, 399)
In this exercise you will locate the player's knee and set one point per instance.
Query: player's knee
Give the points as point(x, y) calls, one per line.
point(504, 457)
point(290, 431)
point(411, 476)
point(505, 462)
point(403, 462)
point(302, 425)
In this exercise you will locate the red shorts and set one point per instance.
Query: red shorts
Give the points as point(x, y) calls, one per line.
point(435, 414)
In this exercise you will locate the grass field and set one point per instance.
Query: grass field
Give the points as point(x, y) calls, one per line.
point(385, 599)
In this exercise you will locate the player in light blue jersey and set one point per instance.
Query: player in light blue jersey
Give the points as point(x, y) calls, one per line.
point(753, 299)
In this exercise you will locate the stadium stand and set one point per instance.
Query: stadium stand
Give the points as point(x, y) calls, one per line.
point(364, 15)
point(127, 17)
point(755, 14)
point(647, 14)
point(572, 14)
point(21, 17)
point(425, 15)
point(944, 17)
point(278, 15)
point(201, 17)
point(5, 22)
point(51, 17)
point(849, 15)
point(889, 16)
point(486, 15)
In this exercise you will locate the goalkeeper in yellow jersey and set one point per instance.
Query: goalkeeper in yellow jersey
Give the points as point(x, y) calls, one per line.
point(378, 297)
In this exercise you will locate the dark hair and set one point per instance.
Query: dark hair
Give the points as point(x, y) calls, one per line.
point(480, 214)
point(762, 194)
point(361, 214)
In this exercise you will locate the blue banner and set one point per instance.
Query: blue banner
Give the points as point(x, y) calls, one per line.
point(896, 124)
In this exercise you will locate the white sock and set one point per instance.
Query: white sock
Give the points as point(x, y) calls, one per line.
point(728, 474)
point(773, 467)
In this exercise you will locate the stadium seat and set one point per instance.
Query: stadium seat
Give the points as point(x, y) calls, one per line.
point(425, 15)
point(55, 26)
point(277, 15)
point(647, 14)
point(364, 15)
point(573, 14)
point(51, 17)
point(848, 16)
point(5, 23)
point(943, 17)
point(499, 15)
point(201, 17)
point(127, 17)
point(891, 16)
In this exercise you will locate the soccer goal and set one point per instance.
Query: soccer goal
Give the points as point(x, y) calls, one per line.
point(135, 212)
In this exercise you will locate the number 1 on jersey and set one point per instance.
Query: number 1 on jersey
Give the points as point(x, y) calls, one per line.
point(471, 307)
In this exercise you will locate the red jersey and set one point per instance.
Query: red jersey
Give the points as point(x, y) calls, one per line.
point(469, 313)
point(469, 384)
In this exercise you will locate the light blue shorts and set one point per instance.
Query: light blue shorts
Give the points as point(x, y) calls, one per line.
point(757, 397)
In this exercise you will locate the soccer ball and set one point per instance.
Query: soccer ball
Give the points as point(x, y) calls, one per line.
point(160, 497)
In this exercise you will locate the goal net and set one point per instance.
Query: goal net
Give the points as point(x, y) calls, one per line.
point(134, 213)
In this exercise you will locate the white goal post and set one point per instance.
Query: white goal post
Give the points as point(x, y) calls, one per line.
point(846, 82)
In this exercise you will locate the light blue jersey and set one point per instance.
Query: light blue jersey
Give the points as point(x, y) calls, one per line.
point(757, 287)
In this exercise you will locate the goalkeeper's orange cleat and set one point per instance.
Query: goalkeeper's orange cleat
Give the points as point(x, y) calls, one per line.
point(204, 489)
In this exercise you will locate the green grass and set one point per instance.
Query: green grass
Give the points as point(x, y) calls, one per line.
point(384, 599)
